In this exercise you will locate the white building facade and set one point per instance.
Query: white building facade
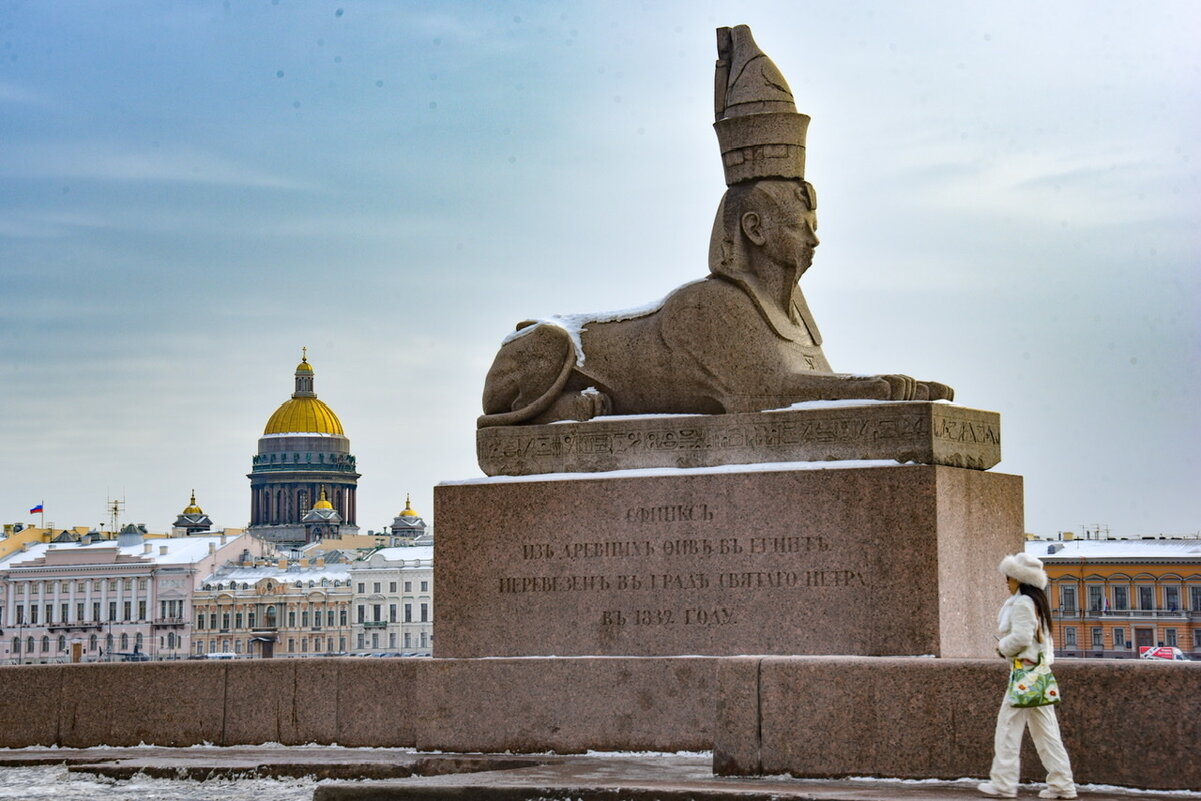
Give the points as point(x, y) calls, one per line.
point(129, 598)
point(394, 601)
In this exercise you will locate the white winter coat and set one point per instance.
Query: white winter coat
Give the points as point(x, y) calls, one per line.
point(1017, 623)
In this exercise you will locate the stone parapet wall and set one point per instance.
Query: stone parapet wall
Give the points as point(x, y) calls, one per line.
point(563, 705)
point(1124, 723)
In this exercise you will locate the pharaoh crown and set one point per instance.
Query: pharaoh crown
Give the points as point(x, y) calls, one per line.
point(760, 133)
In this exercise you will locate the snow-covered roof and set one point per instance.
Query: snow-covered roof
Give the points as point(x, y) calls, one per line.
point(407, 553)
point(179, 550)
point(1074, 550)
point(291, 575)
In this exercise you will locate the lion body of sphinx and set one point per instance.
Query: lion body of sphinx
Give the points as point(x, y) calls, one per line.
point(712, 346)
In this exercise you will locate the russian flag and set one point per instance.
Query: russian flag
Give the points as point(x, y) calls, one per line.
point(35, 509)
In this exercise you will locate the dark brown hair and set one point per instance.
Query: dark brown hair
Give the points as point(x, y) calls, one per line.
point(1042, 607)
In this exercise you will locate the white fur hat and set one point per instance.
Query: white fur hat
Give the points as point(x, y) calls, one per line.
point(1025, 568)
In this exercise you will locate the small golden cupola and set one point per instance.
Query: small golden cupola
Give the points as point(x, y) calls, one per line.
point(192, 520)
point(408, 510)
point(192, 508)
point(408, 524)
point(323, 502)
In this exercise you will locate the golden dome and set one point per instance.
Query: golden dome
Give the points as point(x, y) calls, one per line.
point(303, 416)
point(192, 508)
point(408, 510)
point(323, 502)
point(303, 413)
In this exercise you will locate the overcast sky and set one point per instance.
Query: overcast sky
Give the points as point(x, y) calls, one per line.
point(192, 191)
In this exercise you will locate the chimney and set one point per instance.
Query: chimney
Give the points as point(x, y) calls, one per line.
point(283, 563)
point(304, 562)
point(147, 548)
point(222, 539)
point(320, 561)
point(162, 550)
point(212, 548)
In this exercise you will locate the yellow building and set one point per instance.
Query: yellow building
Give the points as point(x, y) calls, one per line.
point(261, 608)
point(1109, 598)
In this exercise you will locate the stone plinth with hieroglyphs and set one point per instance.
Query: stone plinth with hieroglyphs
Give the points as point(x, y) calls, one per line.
point(922, 432)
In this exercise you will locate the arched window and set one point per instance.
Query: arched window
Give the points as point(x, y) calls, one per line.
point(108, 643)
point(62, 642)
point(124, 642)
point(45, 643)
point(29, 645)
point(92, 643)
point(271, 617)
point(170, 640)
point(16, 645)
point(138, 641)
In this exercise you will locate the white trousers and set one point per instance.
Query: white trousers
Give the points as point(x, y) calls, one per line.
point(1044, 731)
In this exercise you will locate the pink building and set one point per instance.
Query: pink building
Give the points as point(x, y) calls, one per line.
point(128, 598)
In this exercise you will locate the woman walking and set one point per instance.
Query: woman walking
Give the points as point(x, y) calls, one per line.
point(1024, 633)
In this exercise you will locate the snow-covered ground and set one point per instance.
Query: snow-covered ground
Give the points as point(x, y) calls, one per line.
point(54, 782)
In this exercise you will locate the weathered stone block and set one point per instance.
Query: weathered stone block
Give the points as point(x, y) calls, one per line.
point(831, 716)
point(377, 701)
point(879, 561)
point(30, 698)
point(159, 703)
point(911, 431)
point(565, 705)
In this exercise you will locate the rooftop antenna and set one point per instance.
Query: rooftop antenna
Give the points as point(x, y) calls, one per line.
point(114, 508)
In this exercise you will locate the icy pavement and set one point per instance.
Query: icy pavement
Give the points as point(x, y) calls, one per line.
point(55, 782)
point(329, 773)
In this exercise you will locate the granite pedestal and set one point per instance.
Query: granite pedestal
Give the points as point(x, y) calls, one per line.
point(910, 431)
point(870, 560)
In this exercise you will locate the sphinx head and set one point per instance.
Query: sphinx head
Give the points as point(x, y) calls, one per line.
point(768, 224)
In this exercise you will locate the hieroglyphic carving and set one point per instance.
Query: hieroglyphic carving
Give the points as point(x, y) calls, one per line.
point(926, 433)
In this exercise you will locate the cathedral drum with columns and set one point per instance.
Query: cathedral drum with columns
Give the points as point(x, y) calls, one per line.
point(303, 464)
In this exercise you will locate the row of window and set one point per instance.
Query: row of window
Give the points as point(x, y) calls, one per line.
point(376, 587)
point(235, 585)
point(238, 646)
point(35, 614)
point(28, 645)
point(377, 611)
point(318, 644)
point(1121, 639)
point(421, 640)
point(50, 587)
point(270, 619)
point(315, 618)
point(324, 583)
point(1099, 601)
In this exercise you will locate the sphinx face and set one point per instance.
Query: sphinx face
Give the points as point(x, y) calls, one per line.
point(791, 236)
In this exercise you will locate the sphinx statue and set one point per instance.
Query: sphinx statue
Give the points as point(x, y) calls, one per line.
point(742, 339)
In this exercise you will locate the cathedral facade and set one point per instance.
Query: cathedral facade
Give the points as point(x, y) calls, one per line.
point(303, 465)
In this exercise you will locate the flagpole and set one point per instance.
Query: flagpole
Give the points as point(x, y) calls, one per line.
point(42, 514)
